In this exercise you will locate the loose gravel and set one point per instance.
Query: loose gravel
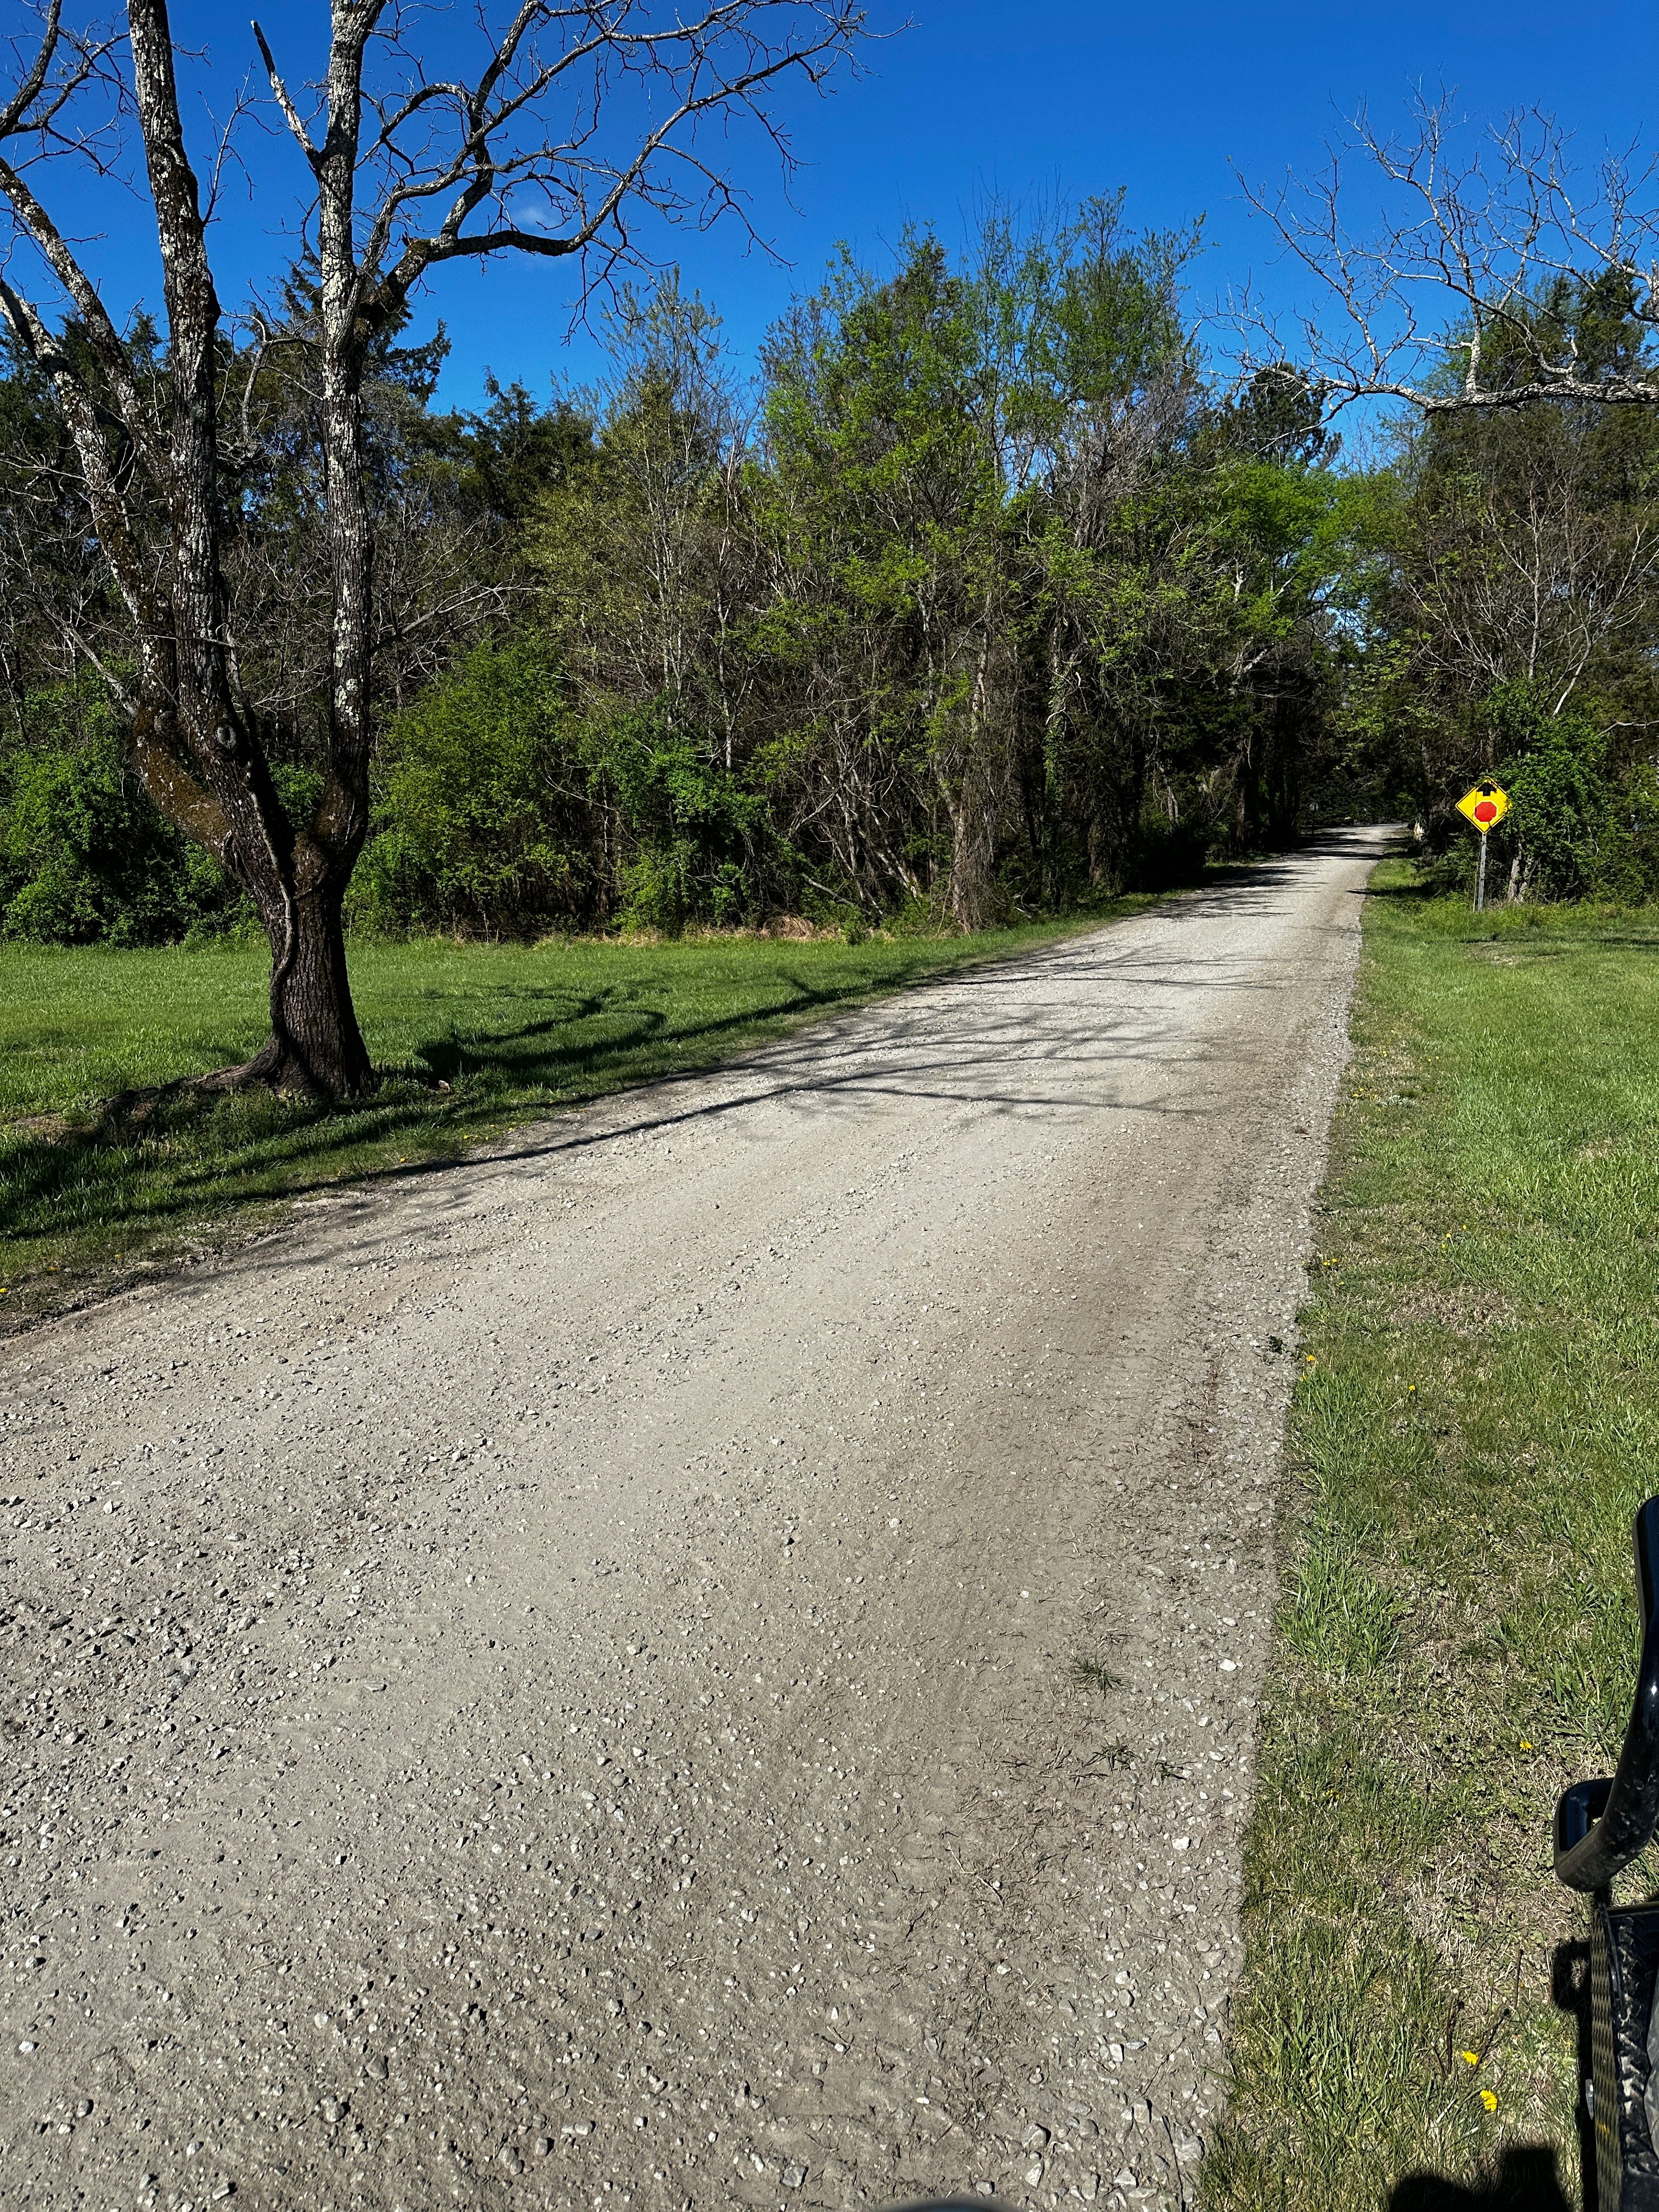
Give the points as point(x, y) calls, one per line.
point(706, 1659)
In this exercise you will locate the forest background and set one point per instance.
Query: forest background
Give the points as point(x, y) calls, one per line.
point(983, 599)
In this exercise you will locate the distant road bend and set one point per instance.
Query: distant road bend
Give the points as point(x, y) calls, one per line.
point(707, 1660)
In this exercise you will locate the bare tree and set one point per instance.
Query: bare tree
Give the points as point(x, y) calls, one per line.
point(1514, 574)
point(648, 557)
point(1442, 297)
point(579, 121)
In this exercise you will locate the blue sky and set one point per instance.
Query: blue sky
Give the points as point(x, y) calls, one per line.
point(976, 99)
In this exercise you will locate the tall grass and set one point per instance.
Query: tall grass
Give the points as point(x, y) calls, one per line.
point(1477, 1419)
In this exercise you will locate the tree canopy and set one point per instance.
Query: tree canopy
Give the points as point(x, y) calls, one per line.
point(985, 591)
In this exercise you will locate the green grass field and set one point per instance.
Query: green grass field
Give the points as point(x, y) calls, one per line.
point(94, 1184)
point(1476, 1422)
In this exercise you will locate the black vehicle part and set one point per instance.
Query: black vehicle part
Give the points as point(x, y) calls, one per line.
point(1599, 1827)
point(1623, 1961)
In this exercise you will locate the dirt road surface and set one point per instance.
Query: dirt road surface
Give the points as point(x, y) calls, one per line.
point(706, 1661)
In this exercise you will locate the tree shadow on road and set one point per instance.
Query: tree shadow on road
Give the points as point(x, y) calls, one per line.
point(954, 2204)
point(140, 1171)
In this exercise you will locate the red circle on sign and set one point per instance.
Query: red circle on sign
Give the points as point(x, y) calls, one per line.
point(1486, 812)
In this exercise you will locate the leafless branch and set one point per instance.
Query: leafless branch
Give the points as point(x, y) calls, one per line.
point(576, 119)
point(279, 90)
point(1450, 299)
point(225, 150)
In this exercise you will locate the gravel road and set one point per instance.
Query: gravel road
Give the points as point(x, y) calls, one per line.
point(707, 1659)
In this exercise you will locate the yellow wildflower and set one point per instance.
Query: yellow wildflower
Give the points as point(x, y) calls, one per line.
point(1470, 2058)
point(1489, 2100)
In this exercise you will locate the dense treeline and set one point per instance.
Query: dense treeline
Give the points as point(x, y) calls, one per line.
point(982, 602)
point(84, 852)
point(1508, 566)
point(981, 599)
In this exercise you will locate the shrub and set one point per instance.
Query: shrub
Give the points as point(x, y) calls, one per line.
point(86, 857)
point(1580, 826)
point(485, 820)
point(697, 841)
point(1557, 789)
point(501, 812)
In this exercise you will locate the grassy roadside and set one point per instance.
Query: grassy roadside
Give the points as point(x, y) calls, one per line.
point(1476, 1421)
point(93, 1187)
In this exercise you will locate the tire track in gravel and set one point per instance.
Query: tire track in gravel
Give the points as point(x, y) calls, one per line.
point(707, 1660)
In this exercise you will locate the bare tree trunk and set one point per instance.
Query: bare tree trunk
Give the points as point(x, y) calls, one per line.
point(1102, 872)
point(975, 808)
point(973, 852)
point(297, 884)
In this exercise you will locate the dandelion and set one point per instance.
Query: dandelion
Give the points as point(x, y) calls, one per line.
point(1470, 2058)
point(1489, 2100)
point(1525, 1746)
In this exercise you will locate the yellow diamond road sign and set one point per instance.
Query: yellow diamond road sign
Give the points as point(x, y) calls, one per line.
point(1485, 806)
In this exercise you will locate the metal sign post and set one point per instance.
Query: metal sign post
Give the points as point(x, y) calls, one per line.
point(1482, 809)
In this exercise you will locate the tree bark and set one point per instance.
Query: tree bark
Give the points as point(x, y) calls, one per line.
point(1103, 855)
point(976, 808)
point(297, 883)
point(316, 1046)
point(973, 850)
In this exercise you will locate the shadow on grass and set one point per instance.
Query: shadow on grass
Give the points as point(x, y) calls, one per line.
point(530, 1054)
point(1525, 2179)
point(1416, 893)
point(1538, 944)
point(137, 1169)
point(1570, 1992)
point(143, 1161)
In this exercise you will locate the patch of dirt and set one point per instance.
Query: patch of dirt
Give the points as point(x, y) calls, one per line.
point(1462, 1311)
